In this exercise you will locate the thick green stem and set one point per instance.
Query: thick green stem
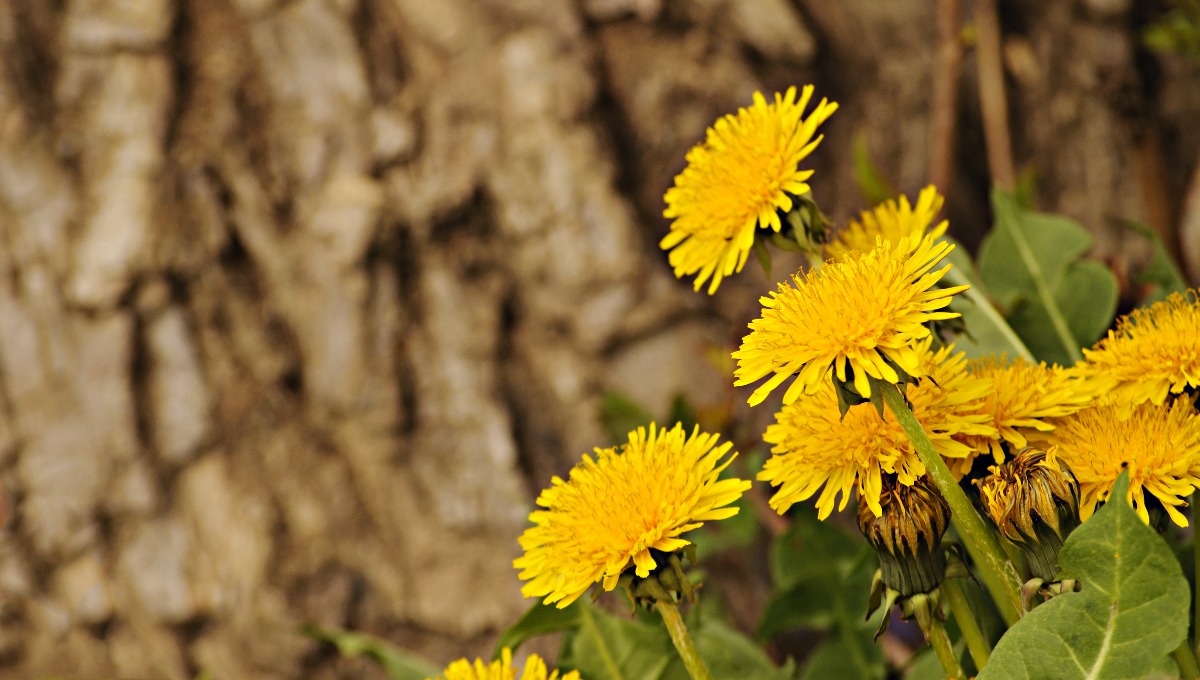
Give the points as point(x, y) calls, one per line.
point(977, 644)
point(995, 570)
point(683, 642)
point(1186, 660)
point(944, 650)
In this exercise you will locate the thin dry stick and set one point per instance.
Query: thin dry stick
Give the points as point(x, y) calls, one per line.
point(945, 94)
point(992, 99)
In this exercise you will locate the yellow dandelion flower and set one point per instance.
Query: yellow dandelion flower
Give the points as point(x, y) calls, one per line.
point(1155, 351)
point(617, 508)
point(857, 317)
point(890, 221)
point(816, 449)
point(1158, 443)
point(740, 178)
point(535, 669)
point(1023, 399)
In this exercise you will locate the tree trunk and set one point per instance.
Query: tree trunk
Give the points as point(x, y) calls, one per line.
point(303, 301)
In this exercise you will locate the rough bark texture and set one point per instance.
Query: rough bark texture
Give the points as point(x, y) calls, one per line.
point(301, 302)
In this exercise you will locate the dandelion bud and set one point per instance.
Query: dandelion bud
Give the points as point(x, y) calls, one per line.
point(1033, 499)
point(908, 535)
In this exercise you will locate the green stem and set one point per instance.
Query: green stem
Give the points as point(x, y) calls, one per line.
point(683, 642)
point(955, 277)
point(1186, 661)
point(997, 572)
point(977, 644)
point(944, 650)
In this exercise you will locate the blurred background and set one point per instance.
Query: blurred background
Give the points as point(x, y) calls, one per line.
point(303, 301)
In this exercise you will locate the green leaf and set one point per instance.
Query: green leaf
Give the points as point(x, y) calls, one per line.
point(988, 332)
point(606, 648)
point(540, 619)
point(1162, 273)
point(1131, 612)
point(729, 654)
point(397, 663)
point(1030, 264)
point(823, 577)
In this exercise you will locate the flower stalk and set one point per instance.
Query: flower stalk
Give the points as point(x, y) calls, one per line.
point(682, 640)
point(997, 573)
point(940, 641)
point(977, 644)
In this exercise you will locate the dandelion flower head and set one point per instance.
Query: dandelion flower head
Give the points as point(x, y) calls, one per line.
point(1024, 399)
point(619, 506)
point(1153, 352)
point(859, 317)
point(816, 449)
point(535, 669)
point(1158, 443)
point(744, 174)
point(891, 220)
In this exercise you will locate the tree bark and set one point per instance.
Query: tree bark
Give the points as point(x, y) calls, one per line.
point(303, 301)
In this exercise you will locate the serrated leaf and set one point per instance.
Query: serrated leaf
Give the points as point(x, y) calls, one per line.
point(1130, 613)
point(397, 663)
point(1030, 264)
point(540, 619)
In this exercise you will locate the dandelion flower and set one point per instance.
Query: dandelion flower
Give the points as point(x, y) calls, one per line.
point(1158, 443)
point(816, 449)
point(858, 317)
point(1153, 352)
point(617, 508)
point(739, 179)
point(1024, 398)
point(535, 669)
point(891, 221)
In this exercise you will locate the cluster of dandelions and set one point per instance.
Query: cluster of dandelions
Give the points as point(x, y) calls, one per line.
point(1044, 444)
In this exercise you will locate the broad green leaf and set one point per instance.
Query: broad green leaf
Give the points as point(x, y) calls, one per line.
point(1162, 272)
point(539, 620)
point(1030, 264)
point(1130, 613)
point(604, 647)
point(397, 663)
point(729, 654)
point(987, 331)
point(608, 647)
